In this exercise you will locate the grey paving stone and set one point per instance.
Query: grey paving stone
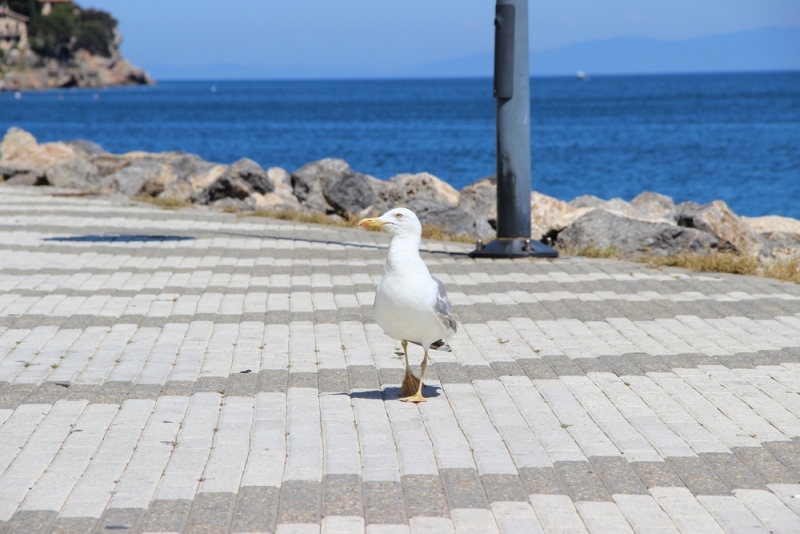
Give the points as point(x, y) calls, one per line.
point(145, 391)
point(333, 380)
point(211, 513)
point(46, 393)
point(450, 373)
point(647, 363)
point(14, 394)
point(303, 380)
point(123, 520)
point(508, 369)
point(657, 474)
point(581, 481)
point(384, 503)
point(29, 522)
point(342, 495)
point(622, 365)
point(564, 366)
point(71, 525)
point(424, 496)
point(363, 377)
point(787, 452)
point(697, 476)
point(393, 376)
point(593, 365)
point(273, 381)
point(504, 488)
point(211, 384)
point(299, 502)
point(167, 516)
point(242, 384)
point(537, 368)
point(617, 475)
point(762, 462)
point(179, 388)
point(733, 473)
point(480, 372)
point(463, 489)
point(542, 480)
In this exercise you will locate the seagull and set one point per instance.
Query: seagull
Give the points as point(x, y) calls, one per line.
point(410, 305)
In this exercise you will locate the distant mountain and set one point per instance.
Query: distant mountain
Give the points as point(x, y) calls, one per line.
point(767, 49)
point(237, 71)
point(759, 50)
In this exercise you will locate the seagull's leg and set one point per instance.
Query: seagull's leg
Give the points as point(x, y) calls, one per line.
point(418, 396)
point(410, 382)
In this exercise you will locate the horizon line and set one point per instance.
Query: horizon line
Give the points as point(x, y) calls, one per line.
point(486, 77)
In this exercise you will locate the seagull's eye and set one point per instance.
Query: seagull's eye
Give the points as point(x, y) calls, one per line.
point(398, 215)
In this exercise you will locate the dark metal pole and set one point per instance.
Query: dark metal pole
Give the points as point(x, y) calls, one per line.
point(512, 92)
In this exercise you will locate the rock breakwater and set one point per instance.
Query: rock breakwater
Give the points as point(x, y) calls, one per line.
point(650, 224)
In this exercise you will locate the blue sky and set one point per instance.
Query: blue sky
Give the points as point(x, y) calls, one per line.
point(389, 36)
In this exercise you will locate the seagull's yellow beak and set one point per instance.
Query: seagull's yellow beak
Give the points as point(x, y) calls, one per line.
point(370, 223)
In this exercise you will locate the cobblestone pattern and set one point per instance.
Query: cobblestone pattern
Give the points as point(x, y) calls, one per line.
point(165, 371)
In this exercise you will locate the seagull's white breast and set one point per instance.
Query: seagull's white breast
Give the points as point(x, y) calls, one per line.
point(404, 308)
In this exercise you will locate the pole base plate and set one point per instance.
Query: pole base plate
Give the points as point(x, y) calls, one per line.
point(513, 248)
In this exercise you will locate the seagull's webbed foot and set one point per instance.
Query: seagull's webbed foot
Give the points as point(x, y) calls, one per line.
point(416, 399)
point(410, 384)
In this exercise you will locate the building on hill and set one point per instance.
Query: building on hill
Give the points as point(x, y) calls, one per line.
point(48, 5)
point(13, 30)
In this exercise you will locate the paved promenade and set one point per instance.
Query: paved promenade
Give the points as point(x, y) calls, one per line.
point(190, 371)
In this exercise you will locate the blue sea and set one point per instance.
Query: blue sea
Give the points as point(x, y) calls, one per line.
point(734, 137)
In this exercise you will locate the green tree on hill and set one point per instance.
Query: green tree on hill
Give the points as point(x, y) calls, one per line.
point(23, 7)
point(67, 29)
point(95, 32)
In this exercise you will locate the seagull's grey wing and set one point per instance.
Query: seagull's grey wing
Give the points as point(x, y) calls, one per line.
point(443, 308)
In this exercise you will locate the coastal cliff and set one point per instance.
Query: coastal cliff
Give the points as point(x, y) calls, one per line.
point(57, 44)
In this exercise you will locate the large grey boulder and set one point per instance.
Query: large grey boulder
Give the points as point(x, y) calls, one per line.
point(77, 173)
point(186, 166)
point(130, 179)
point(349, 195)
point(480, 199)
point(404, 188)
point(651, 205)
point(450, 218)
point(108, 164)
point(309, 181)
point(615, 205)
point(226, 186)
point(717, 219)
point(89, 148)
point(19, 151)
point(603, 229)
point(780, 246)
point(252, 173)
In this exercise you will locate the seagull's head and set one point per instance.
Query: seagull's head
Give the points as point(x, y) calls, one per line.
point(398, 222)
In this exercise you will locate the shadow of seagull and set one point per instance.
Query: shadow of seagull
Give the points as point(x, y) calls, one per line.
point(390, 393)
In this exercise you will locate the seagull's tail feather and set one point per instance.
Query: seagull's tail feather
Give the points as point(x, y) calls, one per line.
point(437, 345)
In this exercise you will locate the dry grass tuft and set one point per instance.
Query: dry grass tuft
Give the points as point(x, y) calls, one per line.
point(164, 202)
point(431, 231)
point(300, 216)
point(788, 270)
point(591, 251)
point(713, 261)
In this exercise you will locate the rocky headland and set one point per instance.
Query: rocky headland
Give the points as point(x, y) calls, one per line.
point(651, 224)
point(61, 46)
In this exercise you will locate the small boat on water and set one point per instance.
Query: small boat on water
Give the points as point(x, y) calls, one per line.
point(582, 76)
